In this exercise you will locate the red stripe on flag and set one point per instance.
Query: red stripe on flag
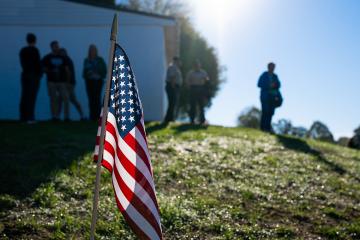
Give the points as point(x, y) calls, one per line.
point(137, 203)
point(136, 147)
point(132, 169)
point(137, 175)
point(141, 128)
point(137, 230)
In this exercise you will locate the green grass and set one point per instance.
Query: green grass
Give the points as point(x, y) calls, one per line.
point(212, 183)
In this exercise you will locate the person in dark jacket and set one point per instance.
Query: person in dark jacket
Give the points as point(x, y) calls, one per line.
point(57, 70)
point(94, 73)
point(30, 78)
point(70, 84)
point(269, 84)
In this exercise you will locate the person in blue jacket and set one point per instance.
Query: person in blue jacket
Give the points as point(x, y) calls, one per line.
point(269, 84)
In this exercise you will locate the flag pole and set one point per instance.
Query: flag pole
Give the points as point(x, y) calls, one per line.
point(103, 122)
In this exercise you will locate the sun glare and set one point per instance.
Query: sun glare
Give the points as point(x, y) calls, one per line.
point(218, 17)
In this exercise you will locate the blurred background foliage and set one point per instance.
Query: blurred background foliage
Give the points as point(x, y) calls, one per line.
point(193, 46)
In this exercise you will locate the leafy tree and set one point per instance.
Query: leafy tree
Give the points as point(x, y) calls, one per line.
point(174, 8)
point(250, 118)
point(355, 140)
point(298, 132)
point(343, 141)
point(283, 126)
point(192, 45)
point(320, 131)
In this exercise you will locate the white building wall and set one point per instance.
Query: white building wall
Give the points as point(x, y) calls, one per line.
point(76, 26)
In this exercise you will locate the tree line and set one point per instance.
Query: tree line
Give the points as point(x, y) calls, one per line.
point(250, 118)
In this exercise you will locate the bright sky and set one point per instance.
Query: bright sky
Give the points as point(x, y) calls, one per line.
point(315, 44)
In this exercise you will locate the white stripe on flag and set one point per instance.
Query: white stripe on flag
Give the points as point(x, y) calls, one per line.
point(137, 189)
point(137, 218)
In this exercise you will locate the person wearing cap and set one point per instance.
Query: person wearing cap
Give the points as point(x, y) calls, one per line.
point(173, 84)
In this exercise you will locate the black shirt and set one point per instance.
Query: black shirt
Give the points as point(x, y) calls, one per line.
point(55, 67)
point(30, 60)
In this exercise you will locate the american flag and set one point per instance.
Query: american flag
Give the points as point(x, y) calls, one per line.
point(126, 153)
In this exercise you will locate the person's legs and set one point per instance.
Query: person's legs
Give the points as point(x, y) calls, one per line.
point(264, 116)
point(23, 99)
point(53, 95)
point(34, 88)
point(176, 101)
point(201, 104)
point(65, 99)
point(171, 103)
point(269, 119)
point(97, 99)
point(72, 98)
point(193, 103)
point(90, 88)
point(89, 94)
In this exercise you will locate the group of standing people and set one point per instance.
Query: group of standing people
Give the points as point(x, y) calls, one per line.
point(196, 82)
point(60, 73)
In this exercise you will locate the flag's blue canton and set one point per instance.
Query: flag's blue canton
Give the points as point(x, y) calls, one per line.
point(124, 102)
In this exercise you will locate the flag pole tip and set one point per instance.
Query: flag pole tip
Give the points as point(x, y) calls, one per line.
point(114, 28)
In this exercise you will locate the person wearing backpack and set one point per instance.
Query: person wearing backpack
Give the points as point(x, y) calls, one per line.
point(270, 96)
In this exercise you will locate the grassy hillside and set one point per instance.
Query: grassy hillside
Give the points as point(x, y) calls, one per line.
point(212, 183)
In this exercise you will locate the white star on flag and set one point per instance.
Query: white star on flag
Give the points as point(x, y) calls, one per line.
point(133, 183)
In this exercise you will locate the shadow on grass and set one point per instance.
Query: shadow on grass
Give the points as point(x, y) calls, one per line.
point(302, 146)
point(188, 127)
point(155, 127)
point(31, 154)
point(178, 128)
